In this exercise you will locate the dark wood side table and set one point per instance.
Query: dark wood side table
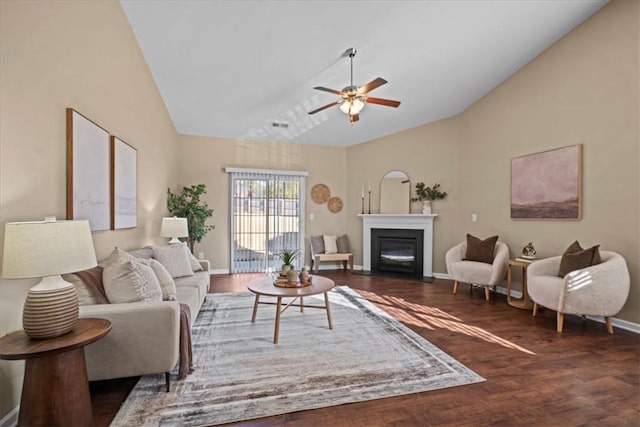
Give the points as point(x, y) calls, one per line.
point(524, 303)
point(55, 390)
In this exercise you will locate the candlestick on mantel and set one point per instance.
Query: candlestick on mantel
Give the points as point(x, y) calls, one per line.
point(369, 202)
point(369, 186)
point(363, 201)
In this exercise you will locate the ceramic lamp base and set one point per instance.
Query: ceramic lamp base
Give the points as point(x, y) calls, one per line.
point(50, 309)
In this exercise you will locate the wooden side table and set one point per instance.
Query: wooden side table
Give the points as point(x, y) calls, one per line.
point(55, 390)
point(524, 303)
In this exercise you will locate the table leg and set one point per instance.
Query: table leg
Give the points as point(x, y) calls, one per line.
point(326, 303)
point(525, 294)
point(56, 391)
point(301, 305)
point(277, 330)
point(509, 284)
point(255, 308)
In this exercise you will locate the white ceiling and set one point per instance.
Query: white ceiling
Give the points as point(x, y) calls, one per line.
point(232, 68)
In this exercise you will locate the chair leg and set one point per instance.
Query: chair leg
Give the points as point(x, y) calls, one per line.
point(609, 324)
point(486, 293)
point(560, 321)
point(535, 309)
point(455, 287)
point(167, 379)
point(584, 317)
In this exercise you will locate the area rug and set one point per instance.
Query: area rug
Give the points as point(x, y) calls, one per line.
point(240, 374)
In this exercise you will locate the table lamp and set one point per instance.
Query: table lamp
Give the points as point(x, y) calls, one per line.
point(48, 249)
point(174, 227)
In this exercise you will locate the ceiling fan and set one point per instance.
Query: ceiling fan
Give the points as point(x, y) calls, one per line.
point(353, 98)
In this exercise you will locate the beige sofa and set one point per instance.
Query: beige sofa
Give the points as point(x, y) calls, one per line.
point(144, 337)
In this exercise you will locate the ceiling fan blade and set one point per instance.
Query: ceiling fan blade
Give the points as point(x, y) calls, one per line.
point(380, 101)
point(326, 89)
point(354, 118)
point(372, 85)
point(324, 107)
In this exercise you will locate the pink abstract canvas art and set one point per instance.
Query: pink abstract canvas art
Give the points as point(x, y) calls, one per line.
point(547, 184)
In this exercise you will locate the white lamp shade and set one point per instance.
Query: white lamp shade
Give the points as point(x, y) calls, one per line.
point(46, 248)
point(174, 227)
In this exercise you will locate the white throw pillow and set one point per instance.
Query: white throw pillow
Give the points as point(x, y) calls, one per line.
point(130, 281)
point(330, 244)
point(195, 264)
point(166, 281)
point(175, 259)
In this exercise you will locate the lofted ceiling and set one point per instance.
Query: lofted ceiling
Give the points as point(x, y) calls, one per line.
point(233, 68)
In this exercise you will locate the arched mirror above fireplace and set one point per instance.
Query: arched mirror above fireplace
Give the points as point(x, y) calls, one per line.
point(395, 193)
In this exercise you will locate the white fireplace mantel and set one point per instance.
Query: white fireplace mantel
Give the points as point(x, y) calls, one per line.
point(400, 221)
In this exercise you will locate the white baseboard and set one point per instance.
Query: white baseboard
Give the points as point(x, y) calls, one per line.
point(11, 419)
point(219, 271)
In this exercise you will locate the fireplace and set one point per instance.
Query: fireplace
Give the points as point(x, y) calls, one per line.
point(423, 224)
point(397, 251)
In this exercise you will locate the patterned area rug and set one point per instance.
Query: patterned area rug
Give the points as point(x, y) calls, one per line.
point(240, 374)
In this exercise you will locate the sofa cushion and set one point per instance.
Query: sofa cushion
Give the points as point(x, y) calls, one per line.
point(200, 281)
point(330, 244)
point(167, 284)
point(480, 250)
point(317, 245)
point(190, 296)
point(342, 243)
point(130, 281)
point(175, 259)
point(576, 258)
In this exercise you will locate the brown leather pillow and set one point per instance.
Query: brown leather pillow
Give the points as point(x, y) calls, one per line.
point(480, 250)
point(575, 258)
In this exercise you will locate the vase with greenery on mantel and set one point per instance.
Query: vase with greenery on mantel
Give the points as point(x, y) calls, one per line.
point(187, 204)
point(426, 194)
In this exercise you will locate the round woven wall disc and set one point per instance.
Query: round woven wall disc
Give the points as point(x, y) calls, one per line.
point(335, 204)
point(320, 193)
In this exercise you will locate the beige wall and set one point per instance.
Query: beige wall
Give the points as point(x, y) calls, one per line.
point(79, 54)
point(203, 160)
point(582, 90)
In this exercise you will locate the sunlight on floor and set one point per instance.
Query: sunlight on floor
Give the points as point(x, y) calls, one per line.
point(432, 318)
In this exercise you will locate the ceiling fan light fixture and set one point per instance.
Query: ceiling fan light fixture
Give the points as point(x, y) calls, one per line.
point(352, 106)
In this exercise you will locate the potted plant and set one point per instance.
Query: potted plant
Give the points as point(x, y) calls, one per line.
point(427, 194)
point(287, 256)
point(187, 204)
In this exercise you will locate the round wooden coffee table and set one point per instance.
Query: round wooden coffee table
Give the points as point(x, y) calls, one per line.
point(264, 286)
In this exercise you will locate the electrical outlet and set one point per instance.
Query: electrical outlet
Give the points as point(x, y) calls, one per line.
point(201, 255)
point(312, 217)
point(474, 218)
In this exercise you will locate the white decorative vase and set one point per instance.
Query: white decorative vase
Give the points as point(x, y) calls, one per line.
point(285, 269)
point(292, 276)
point(426, 207)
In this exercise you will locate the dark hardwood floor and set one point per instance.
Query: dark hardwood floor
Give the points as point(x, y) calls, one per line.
point(534, 375)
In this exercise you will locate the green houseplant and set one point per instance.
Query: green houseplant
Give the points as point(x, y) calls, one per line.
point(187, 204)
point(287, 256)
point(427, 194)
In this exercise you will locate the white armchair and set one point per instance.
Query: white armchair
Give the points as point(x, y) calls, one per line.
point(477, 273)
point(599, 290)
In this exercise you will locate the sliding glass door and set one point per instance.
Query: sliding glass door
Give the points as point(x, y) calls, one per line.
point(267, 216)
